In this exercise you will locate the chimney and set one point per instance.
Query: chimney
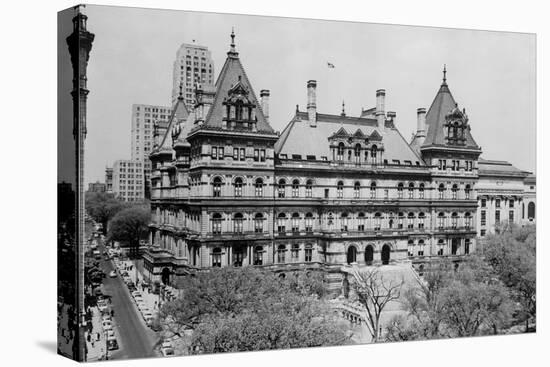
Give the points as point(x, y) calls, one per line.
point(264, 101)
point(380, 107)
point(421, 122)
point(391, 116)
point(312, 102)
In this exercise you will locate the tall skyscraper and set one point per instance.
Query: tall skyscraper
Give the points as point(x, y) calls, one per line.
point(128, 180)
point(193, 65)
point(143, 119)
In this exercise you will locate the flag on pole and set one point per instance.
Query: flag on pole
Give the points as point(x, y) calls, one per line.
point(330, 65)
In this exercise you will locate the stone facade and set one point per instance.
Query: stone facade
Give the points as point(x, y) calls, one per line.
point(329, 191)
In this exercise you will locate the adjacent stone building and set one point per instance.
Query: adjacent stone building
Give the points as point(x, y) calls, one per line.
point(328, 192)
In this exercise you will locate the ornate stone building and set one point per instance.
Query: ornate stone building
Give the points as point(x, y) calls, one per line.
point(327, 192)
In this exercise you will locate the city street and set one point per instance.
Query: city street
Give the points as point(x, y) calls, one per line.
point(136, 340)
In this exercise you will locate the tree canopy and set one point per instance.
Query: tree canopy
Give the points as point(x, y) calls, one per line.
point(512, 255)
point(102, 207)
point(249, 309)
point(129, 226)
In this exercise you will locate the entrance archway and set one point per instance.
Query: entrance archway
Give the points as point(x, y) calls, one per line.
point(386, 254)
point(352, 254)
point(165, 276)
point(369, 255)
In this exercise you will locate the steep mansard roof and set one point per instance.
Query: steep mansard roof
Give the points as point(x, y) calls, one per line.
point(230, 76)
point(180, 116)
point(300, 138)
point(443, 104)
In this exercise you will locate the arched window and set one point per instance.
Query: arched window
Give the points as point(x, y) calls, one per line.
point(309, 222)
point(217, 187)
point(309, 187)
point(217, 257)
point(341, 152)
point(308, 252)
point(238, 187)
point(361, 222)
point(421, 217)
point(259, 223)
point(259, 188)
point(400, 220)
point(390, 220)
point(373, 190)
point(295, 188)
point(421, 191)
point(454, 220)
point(344, 222)
point(238, 255)
point(281, 188)
point(441, 220)
point(295, 252)
point(216, 223)
point(454, 192)
point(440, 247)
point(373, 154)
point(531, 211)
point(238, 223)
point(377, 221)
point(352, 255)
point(400, 190)
point(468, 220)
point(441, 191)
point(411, 190)
point(421, 248)
point(410, 248)
point(281, 249)
point(467, 192)
point(281, 223)
point(340, 189)
point(356, 190)
point(258, 255)
point(295, 222)
point(357, 153)
point(410, 221)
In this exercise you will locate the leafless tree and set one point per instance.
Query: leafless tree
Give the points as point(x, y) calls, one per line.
point(375, 293)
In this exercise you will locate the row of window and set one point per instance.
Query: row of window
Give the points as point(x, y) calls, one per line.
point(455, 165)
point(483, 219)
point(281, 189)
point(238, 154)
point(398, 222)
point(239, 254)
point(498, 201)
point(418, 249)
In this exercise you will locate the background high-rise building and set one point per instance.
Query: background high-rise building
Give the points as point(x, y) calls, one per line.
point(143, 118)
point(193, 65)
point(97, 187)
point(128, 180)
point(109, 179)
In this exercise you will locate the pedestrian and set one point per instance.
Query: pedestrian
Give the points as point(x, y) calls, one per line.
point(93, 343)
point(62, 331)
point(112, 313)
point(98, 336)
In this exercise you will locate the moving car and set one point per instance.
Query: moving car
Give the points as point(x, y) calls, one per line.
point(112, 274)
point(167, 352)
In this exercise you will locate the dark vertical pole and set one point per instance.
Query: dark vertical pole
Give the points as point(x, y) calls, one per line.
point(80, 44)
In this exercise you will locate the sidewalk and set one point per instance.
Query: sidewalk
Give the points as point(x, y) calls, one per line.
point(151, 300)
point(96, 348)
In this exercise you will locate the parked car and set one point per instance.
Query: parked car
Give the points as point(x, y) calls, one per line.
point(107, 325)
point(112, 343)
point(167, 352)
point(102, 305)
point(112, 274)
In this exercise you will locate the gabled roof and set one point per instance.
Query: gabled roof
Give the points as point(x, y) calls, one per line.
point(359, 134)
point(179, 115)
point(342, 133)
point(442, 104)
point(232, 76)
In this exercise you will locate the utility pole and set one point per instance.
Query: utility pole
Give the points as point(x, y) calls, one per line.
point(80, 44)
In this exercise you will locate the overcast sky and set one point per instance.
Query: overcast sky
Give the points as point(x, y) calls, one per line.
point(491, 74)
